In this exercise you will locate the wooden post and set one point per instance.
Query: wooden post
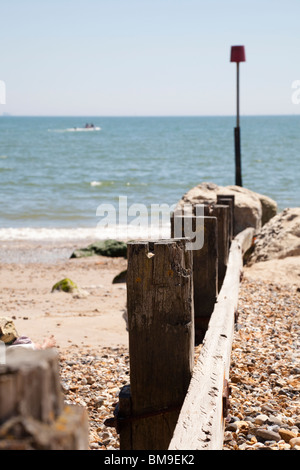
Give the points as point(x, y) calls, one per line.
point(228, 200)
point(161, 338)
point(123, 415)
point(32, 411)
point(205, 268)
point(221, 212)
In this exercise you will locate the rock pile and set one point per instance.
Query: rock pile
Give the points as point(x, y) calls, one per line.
point(251, 209)
point(279, 238)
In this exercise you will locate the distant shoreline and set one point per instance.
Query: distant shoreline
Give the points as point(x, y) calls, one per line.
point(145, 116)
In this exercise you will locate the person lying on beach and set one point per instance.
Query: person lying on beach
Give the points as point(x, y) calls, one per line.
point(10, 337)
point(26, 342)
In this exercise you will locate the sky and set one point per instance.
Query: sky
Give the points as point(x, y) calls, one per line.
point(148, 57)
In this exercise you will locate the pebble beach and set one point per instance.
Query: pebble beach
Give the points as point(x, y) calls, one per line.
point(264, 375)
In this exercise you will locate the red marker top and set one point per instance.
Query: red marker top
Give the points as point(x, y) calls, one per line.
point(238, 54)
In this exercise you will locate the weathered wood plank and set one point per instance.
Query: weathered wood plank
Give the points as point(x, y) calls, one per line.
point(229, 201)
point(205, 266)
point(32, 411)
point(222, 213)
point(30, 385)
point(201, 423)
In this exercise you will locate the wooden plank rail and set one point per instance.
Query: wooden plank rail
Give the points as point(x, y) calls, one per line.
point(205, 267)
point(201, 421)
point(222, 213)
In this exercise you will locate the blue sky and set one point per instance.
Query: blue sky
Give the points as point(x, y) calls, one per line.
point(148, 57)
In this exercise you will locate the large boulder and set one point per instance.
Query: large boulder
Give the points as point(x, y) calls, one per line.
point(250, 209)
point(279, 238)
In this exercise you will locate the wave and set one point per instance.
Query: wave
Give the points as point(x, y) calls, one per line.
point(83, 129)
point(118, 232)
point(76, 129)
point(102, 183)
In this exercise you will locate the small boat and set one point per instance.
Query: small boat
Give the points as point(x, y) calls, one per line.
point(87, 127)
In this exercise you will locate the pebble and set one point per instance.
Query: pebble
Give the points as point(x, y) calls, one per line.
point(264, 372)
point(261, 419)
point(295, 442)
point(286, 434)
point(267, 434)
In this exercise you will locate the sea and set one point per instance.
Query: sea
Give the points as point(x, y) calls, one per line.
point(62, 181)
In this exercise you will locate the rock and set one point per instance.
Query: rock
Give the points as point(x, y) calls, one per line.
point(232, 427)
point(8, 332)
point(121, 277)
point(297, 423)
point(269, 208)
point(267, 408)
point(242, 425)
point(279, 238)
point(295, 441)
point(80, 293)
point(274, 420)
point(65, 285)
point(82, 253)
point(111, 248)
point(251, 209)
point(286, 434)
point(267, 435)
point(261, 419)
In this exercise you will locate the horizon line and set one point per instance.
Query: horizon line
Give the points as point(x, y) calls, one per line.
point(144, 115)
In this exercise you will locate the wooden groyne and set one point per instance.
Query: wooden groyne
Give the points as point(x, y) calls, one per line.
point(182, 292)
point(201, 422)
point(176, 299)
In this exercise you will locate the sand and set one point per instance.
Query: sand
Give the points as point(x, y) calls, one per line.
point(92, 318)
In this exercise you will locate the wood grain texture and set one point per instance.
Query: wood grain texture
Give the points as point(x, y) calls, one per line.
point(161, 337)
point(32, 411)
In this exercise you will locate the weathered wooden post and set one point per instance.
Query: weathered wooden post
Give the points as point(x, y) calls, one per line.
point(32, 411)
point(161, 341)
point(205, 266)
point(221, 212)
point(228, 200)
